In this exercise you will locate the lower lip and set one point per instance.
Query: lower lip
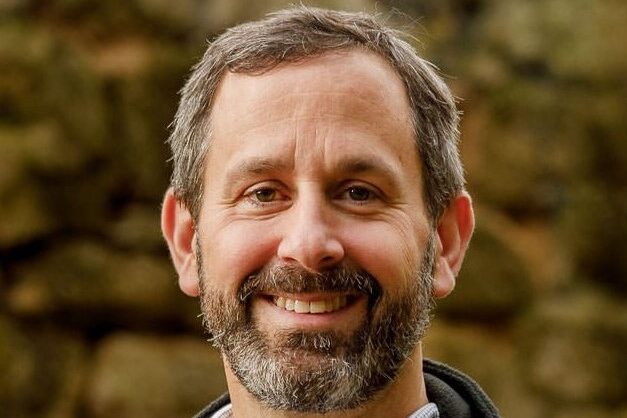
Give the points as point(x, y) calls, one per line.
point(346, 317)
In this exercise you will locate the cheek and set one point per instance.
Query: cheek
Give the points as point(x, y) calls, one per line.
point(390, 252)
point(234, 251)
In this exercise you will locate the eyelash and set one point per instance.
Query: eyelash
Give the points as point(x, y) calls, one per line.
point(373, 195)
point(251, 196)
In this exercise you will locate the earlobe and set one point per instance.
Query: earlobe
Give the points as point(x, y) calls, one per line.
point(453, 235)
point(178, 230)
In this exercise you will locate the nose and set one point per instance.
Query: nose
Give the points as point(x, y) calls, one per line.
point(308, 238)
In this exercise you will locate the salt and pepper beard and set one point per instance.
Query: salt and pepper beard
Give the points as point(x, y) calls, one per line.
point(319, 371)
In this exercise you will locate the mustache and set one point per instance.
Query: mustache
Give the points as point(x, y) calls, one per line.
point(294, 279)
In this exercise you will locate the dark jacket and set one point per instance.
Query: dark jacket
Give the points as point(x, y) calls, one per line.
point(455, 394)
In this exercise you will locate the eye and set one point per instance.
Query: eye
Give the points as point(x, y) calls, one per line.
point(265, 194)
point(359, 194)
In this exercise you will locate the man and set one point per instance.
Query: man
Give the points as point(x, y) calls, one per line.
point(317, 207)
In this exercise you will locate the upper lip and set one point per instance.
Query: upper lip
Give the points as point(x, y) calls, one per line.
point(309, 296)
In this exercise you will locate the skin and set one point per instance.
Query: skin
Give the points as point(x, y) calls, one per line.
point(315, 164)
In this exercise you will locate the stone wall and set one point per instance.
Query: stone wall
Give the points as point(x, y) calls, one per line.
point(92, 323)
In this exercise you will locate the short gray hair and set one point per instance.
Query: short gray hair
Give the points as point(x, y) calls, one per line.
point(296, 34)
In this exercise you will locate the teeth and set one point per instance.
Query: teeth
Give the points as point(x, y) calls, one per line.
point(289, 304)
point(301, 307)
point(316, 306)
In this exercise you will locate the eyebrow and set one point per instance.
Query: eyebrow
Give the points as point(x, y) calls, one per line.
point(257, 166)
point(364, 164)
point(254, 167)
point(369, 164)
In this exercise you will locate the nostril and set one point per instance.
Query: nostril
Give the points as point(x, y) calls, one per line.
point(329, 260)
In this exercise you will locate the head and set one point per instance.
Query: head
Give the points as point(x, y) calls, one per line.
point(317, 204)
point(295, 35)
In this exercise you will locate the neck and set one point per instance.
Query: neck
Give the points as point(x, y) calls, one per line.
point(403, 396)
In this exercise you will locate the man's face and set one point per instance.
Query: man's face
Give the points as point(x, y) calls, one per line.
point(313, 241)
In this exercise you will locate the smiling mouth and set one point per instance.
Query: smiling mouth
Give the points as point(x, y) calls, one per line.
point(320, 306)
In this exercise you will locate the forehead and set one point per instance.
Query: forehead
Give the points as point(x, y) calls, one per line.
point(327, 80)
point(336, 104)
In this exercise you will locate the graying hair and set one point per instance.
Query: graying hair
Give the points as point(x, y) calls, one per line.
point(296, 34)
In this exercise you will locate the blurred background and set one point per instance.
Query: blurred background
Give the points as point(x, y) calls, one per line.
point(92, 323)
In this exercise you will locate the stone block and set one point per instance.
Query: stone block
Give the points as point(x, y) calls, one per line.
point(179, 17)
point(33, 154)
point(593, 229)
point(576, 39)
point(493, 283)
point(47, 182)
point(121, 57)
point(53, 130)
point(137, 375)
point(218, 15)
point(35, 149)
point(139, 228)
point(592, 411)
point(17, 365)
point(97, 19)
point(145, 105)
point(41, 370)
point(21, 49)
point(490, 357)
point(575, 348)
point(93, 285)
point(516, 155)
point(85, 200)
point(10, 7)
point(25, 216)
point(46, 78)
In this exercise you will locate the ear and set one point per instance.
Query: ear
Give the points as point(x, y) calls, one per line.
point(454, 231)
point(178, 230)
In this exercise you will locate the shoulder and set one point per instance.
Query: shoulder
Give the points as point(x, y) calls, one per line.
point(456, 394)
